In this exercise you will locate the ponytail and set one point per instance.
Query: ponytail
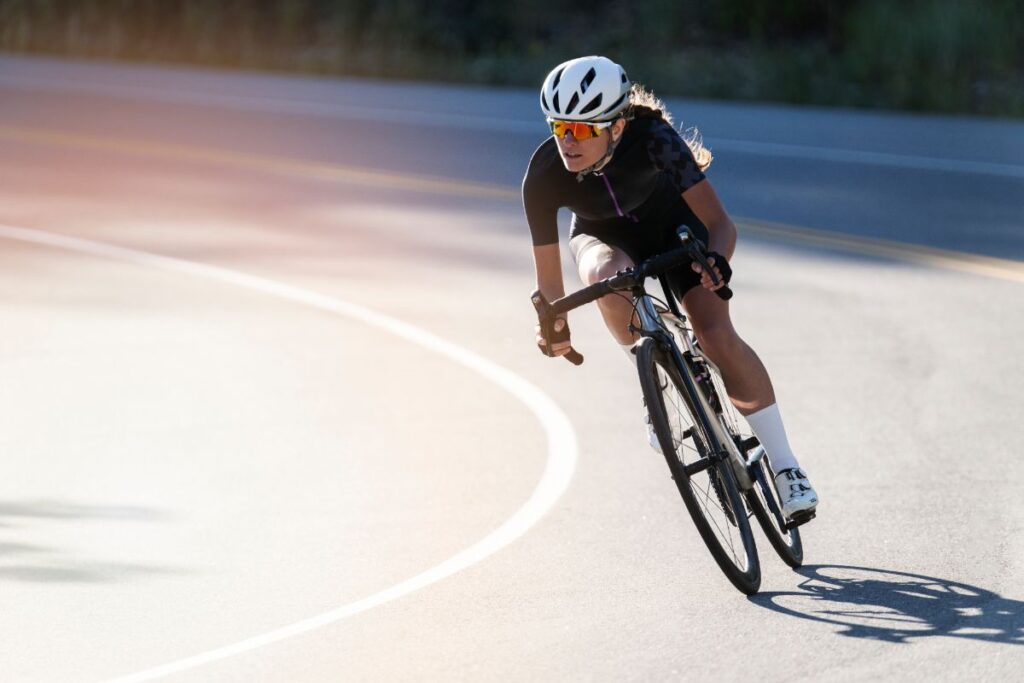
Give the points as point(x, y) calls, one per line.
point(644, 104)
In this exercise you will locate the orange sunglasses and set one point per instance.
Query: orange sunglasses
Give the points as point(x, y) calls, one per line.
point(579, 129)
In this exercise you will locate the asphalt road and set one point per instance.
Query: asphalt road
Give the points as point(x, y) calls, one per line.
point(315, 442)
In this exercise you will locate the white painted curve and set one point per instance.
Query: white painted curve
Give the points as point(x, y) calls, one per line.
point(561, 438)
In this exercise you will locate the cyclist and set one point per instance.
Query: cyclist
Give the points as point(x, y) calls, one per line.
point(630, 180)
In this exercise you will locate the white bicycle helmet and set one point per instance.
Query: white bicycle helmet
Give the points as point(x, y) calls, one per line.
point(591, 89)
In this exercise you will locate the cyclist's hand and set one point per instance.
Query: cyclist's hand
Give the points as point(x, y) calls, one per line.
point(720, 265)
point(559, 339)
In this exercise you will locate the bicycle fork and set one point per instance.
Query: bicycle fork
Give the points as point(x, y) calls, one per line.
point(700, 397)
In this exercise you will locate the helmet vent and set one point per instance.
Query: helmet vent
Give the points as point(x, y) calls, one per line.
point(554, 102)
point(615, 106)
point(544, 101)
point(558, 77)
point(573, 102)
point(588, 79)
point(594, 104)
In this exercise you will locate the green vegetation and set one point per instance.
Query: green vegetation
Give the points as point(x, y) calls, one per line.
point(934, 55)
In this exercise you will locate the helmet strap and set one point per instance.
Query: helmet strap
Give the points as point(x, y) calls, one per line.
point(603, 161)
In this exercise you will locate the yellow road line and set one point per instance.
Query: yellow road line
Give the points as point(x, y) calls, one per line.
point(293, 167)
point(1004, 269)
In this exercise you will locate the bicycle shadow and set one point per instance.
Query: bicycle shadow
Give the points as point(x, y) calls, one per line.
point(32, 562)
point(895, 606)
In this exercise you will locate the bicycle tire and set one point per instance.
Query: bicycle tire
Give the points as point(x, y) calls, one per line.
point(763, 500)
point(685, 439)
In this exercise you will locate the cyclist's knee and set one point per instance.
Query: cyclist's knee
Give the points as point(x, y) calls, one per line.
point(600, 262)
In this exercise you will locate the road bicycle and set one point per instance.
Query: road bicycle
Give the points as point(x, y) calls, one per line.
point(718, 465)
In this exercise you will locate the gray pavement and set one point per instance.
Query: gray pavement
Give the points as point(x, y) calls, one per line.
point(191, 464)
point(952, 182)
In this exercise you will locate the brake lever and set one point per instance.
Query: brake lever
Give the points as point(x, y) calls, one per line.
point(696, 250)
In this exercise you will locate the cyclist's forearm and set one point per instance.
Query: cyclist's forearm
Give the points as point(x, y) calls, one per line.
point(547, 260)
point(704, 202)
point(722, 237)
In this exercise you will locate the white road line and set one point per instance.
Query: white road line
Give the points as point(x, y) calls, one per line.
point(561, 439)
point(463, 121)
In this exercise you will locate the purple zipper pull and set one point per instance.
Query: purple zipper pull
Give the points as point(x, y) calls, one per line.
point(615, 200)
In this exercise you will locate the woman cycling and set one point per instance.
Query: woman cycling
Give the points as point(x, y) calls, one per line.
point(630, 180)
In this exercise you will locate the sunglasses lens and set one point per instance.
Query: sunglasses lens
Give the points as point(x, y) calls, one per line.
point(580, 131)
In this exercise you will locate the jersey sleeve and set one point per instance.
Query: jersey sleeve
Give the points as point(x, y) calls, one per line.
point(670, 154)
point(541, 209)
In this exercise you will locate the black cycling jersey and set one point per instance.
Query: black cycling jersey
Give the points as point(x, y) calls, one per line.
point(638, 191)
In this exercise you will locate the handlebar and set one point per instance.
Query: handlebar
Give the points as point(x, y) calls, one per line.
point(692, 250)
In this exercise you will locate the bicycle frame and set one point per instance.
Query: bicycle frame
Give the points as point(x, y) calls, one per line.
point(706, 416)
point(653, 324)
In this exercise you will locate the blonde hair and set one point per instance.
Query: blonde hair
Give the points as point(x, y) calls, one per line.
point(645, 104)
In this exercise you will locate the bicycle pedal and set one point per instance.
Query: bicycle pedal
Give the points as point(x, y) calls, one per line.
point(799, 519)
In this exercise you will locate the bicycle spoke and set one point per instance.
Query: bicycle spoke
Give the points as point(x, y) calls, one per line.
point(725, 534)
point(703, 485)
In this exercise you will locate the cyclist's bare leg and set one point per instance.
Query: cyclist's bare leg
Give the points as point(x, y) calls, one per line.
point(745, 376)
point(750, 389)
point(596, 263)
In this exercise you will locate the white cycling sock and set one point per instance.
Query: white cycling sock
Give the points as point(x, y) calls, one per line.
point(628, 350)
point(768, 427)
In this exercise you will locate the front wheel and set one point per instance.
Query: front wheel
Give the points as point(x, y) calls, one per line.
point(705, 481)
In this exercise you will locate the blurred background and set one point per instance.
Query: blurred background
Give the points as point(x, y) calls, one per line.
point(922, 55)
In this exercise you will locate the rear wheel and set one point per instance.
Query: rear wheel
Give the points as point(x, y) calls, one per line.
point(705, 482)
point(762, 497)
point(764, 501)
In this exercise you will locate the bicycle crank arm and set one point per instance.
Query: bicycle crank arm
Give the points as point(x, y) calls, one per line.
point(698, 466)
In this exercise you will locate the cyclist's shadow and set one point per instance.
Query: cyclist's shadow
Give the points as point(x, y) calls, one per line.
point(898, 606)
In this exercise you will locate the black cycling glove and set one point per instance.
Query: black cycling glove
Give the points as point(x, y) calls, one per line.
point(547, 325)
point(551, 336)
point(722, 264)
